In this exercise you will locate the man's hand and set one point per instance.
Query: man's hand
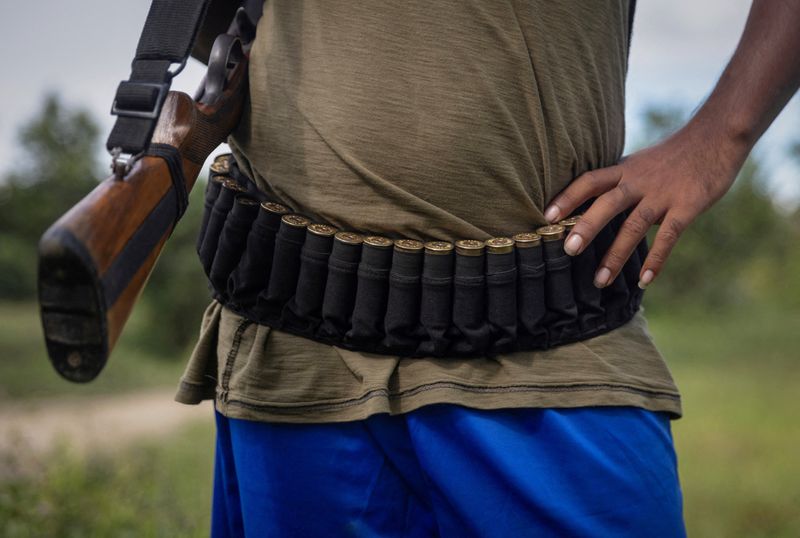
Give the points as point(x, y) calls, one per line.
point(672, 182)
point(669, 184)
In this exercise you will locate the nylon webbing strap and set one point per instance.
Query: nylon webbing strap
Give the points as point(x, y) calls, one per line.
point(173, 159)
point(167, 38)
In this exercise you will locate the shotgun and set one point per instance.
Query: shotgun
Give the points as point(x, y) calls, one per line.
point(95, 260)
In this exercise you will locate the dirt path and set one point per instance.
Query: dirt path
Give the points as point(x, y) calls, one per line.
point(97, 423)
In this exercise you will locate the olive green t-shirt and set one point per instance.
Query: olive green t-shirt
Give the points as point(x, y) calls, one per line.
point(428, 120)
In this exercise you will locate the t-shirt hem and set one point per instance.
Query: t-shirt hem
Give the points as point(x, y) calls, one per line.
point(381, 401)
point(192, 393)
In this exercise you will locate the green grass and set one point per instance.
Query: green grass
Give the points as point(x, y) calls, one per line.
point(739, 374)
point(25, 371)
point(151, 490)
point(761, 335)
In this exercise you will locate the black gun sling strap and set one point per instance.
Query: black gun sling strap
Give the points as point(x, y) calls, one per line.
point(167, 39)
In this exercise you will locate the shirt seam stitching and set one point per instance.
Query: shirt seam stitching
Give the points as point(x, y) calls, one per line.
point(230, 359)
point(469, 388)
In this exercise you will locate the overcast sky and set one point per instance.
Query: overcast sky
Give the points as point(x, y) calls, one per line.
point(83, 49)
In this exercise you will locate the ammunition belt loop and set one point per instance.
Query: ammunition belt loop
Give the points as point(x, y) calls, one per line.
point(401, 296)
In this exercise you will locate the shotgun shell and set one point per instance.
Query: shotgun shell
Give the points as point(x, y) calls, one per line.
point(295, 221)
point(438, 248)
point(409, 245)
point(553, 232)
point(378, 241)
point(245, 200)
point(349, 238)
point(233, 185)
point(470, 247)
point(274, 207)
point(221, 164)
point(321, 229)
point(527, 240)
point(499, 245)
point(569, 222)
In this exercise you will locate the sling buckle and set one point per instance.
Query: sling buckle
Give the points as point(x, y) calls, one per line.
point(140, 99)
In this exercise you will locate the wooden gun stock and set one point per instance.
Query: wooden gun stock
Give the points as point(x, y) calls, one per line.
point(95, 260)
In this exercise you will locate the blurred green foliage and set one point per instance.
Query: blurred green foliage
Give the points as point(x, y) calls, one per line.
point(53, 171)
point(26, 373)
point(148, 490)
point(173, 301)
point(738, 374)
point(736, 444)
point(743, 250)
point(57, 167)
point(739, 252)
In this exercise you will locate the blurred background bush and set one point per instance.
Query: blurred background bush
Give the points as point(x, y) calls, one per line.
point(742, 251)
point(57, 167)
point(725, 312)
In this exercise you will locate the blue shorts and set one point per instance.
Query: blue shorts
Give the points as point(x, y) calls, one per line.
point(449, 471)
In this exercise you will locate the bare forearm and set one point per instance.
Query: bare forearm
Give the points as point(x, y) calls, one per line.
point(674, 181)
point(760, 78)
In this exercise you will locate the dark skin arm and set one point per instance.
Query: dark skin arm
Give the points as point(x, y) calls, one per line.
point(674, 181)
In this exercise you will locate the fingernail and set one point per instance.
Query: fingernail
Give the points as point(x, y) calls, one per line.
point(551, 215)
point(647, 278)
point(602, 277)
point(573, 244)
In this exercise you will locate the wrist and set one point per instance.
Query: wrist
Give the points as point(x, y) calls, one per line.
point(727, 136)
point(731, 132)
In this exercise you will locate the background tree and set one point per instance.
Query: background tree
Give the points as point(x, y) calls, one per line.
point(732, 254)
point(56, 167)
point(169, 312)
point(743, 249)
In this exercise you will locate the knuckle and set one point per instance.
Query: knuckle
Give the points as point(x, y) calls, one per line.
point(623, 191)
point(647, 214)
point(609, 200)
point(657, 257)
point(586, 226)
point(669, 236)
point(589, 177)
point(677, 226)
point(672, 230)
point(614, 259)
point(635, 226)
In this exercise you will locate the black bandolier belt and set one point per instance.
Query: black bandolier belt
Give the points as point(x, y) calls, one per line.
point(402, 296)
